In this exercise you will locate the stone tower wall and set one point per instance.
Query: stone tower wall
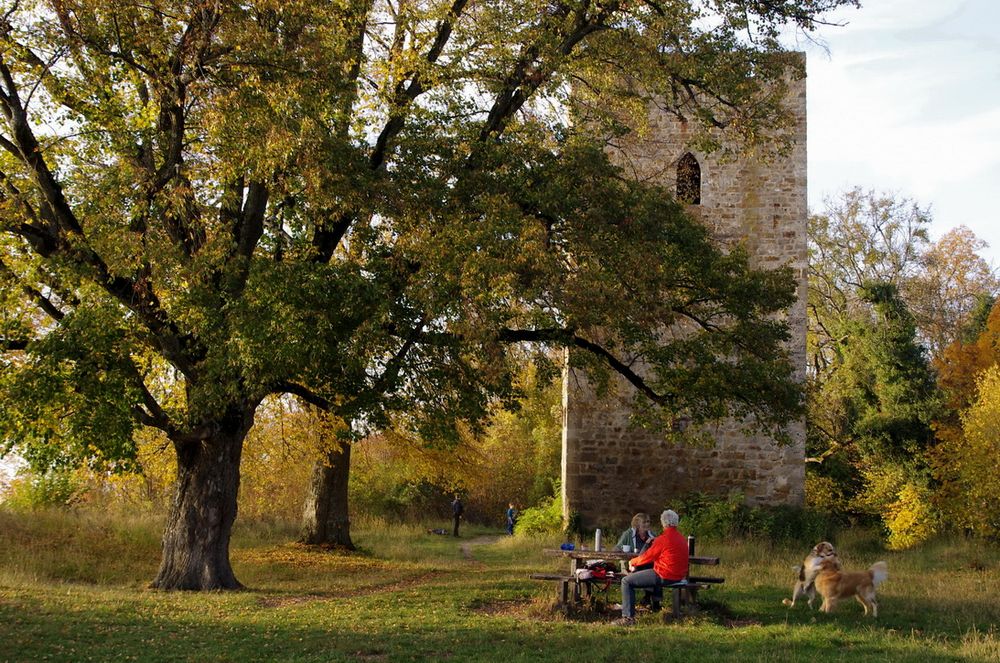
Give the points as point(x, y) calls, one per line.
point(610, 470)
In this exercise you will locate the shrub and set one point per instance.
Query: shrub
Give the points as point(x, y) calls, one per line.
point(542, 519)
point(34, 490)
point(730, 517)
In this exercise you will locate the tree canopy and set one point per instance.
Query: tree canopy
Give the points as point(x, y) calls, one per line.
point(365, 204)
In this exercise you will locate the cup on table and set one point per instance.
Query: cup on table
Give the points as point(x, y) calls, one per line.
point(626, 548)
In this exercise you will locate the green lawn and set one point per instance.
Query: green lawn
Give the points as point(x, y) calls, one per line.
point(72, 588)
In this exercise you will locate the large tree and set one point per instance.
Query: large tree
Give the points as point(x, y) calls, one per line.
point(362, 203)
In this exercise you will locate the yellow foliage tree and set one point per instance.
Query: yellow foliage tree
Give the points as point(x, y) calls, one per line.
point(903, 500)
point(277, 458)
point(975, 500)
point(960, 368)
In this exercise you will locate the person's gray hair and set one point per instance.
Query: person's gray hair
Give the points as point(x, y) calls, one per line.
point(669, 518)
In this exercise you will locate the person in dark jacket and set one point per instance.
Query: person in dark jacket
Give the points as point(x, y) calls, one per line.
point(457, 509)
point(511, 518)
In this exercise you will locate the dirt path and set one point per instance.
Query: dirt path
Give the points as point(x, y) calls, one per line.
point(466, 547)
point(284, 601)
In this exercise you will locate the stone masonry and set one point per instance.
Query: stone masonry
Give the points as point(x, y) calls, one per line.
point(611, 470)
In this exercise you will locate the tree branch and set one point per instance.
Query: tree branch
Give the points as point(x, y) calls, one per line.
point(569, 338)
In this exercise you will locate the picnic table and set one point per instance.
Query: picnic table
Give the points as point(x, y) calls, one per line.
point(683, 593)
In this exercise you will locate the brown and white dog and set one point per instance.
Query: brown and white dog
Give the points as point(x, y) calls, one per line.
point(807, 571)
point(833, 584)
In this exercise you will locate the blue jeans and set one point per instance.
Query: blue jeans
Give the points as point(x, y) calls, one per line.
point(645, 579)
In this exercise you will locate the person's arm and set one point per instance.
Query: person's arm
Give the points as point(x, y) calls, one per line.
point(624, 540)
point(651, 553)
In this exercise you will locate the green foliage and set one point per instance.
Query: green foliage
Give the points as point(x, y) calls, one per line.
point(721, 518)
point(978, 318)
point(890, 387)
point(873, 416)
point(38, 490)
point(546, 518)
point(513, 457)
point(372, 207)
point(70, 401)
point(879, 294)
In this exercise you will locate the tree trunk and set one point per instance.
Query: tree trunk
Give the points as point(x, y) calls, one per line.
point(325, 520)
point(196, 538)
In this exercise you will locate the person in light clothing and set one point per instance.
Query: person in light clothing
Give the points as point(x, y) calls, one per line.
point(638, 537)
point(669, 555)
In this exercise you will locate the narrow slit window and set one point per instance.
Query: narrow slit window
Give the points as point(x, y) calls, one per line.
point(689, 180)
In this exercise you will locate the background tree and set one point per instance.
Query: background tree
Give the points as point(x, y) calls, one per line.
point(860, 237)
point(874, 428)
point(872, 394)
point(961, 369)
point(363, 204)
point(970, 467)
point(949, 288)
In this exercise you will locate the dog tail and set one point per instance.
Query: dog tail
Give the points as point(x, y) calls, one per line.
point(880, 573)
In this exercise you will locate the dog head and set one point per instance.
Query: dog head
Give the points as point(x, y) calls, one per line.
point(823, 549)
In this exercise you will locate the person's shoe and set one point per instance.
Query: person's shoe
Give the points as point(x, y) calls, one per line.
point(624, 621)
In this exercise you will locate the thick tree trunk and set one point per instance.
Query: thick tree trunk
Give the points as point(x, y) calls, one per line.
point(325, 519)
point(196, 538)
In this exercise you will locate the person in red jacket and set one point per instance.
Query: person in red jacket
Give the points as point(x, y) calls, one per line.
point(669, 555)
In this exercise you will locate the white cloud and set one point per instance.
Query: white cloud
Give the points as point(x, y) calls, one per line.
point(909, 100)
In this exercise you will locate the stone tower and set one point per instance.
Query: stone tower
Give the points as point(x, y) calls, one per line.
point(610, 470)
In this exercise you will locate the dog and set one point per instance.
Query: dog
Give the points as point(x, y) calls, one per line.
point(834, 584)
point(804, 586)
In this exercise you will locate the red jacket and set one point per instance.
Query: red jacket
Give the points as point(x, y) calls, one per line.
point(669, 555)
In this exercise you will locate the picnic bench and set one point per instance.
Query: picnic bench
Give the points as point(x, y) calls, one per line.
point(572, 589)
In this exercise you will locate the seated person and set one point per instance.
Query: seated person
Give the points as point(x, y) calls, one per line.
point(638, 537)
point(669, 555)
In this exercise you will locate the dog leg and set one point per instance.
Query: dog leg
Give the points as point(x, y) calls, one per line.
point(811, 593)
point(798, 589)
point(873, 602)
point(796, 593)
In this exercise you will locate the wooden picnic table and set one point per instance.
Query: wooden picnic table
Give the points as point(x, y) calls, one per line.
point(690, 584)
point(614, 555)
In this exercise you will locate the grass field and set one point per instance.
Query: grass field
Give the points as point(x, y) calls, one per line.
point(72, 588)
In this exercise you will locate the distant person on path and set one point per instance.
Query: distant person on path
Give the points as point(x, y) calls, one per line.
point(457, 509)
point(669, 555)
point(511, 518)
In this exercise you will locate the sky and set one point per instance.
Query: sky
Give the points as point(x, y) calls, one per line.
point(905, 98)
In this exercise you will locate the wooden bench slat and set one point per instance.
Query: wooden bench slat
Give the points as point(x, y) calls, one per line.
point(706, 579)
point(550, 576)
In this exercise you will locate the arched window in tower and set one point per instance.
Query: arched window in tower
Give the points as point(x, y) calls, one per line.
point(689, 180)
